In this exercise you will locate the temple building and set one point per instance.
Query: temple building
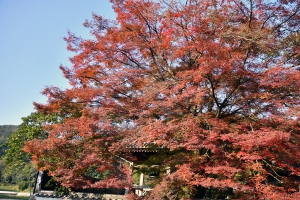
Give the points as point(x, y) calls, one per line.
point(145, 175)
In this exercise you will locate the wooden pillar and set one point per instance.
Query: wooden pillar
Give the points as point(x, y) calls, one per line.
point(141, 179)
point(141, 183)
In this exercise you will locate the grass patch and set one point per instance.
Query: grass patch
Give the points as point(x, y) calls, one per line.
point(3, 196)
point(13, 188)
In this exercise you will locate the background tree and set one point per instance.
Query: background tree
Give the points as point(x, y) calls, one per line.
point(214, 82)
point(19, 169)
point(5, 132)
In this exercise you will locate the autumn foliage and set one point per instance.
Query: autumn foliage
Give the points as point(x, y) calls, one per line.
point(214, 83)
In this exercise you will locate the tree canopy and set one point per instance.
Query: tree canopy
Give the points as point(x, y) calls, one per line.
point(31, 128)
point(214, 82)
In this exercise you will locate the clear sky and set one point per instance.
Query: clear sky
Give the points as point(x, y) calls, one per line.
point(32, 48)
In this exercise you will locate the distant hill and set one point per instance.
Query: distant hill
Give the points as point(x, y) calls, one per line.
point(5, 132)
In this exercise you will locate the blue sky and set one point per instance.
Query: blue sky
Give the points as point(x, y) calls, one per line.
point(32, 48)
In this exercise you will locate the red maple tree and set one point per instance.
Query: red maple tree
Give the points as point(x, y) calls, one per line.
point(215, 83)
